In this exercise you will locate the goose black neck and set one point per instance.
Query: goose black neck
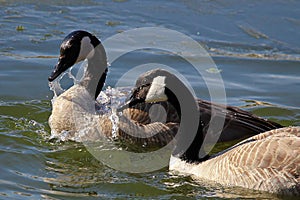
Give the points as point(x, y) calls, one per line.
point(189, 138)
point(101, 83)
point(194, 138)
point(173, 100)
point(192, 153)
point(96, 72)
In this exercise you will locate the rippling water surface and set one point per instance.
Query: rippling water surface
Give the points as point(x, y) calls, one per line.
point(255, 45)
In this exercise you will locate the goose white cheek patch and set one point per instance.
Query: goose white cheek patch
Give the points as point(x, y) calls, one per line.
point(157, 90)
point(86, 49)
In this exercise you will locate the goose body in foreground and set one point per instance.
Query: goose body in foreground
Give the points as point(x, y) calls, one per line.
point(74, 110)
point(269, 162)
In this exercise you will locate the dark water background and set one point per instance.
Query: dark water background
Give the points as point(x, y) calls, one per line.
point(255, 44)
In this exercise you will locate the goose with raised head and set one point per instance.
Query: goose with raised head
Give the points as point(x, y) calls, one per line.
point(74, 109)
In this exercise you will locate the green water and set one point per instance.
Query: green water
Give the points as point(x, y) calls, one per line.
point(255, 45)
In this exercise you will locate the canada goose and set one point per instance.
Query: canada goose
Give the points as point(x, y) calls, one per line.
point(269, 161)
point(238, 124)
point(80, 45)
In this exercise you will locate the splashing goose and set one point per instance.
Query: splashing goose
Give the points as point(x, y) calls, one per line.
point(76, 47)
point(73, 110)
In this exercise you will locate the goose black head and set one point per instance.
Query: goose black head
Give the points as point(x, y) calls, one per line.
point(155, 86)
point(76, 46)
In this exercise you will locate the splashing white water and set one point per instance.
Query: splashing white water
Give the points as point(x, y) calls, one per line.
point(56, 88)
point(114, 104)
point(111, 98)
point(71, 76)
point(55, 85)
point(106, 104)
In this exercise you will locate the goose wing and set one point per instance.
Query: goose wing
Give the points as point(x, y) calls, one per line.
point(155, 134)
point(238, 123)
point(142, 127)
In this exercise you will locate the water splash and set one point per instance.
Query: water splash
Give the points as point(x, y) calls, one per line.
point(55, 85)
point(71, 76)
point(110, 99)
point(114, 104)
point(56, 88)
point(102, 103)
point(115, 121)
point(106, 104)
point(61, 137)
